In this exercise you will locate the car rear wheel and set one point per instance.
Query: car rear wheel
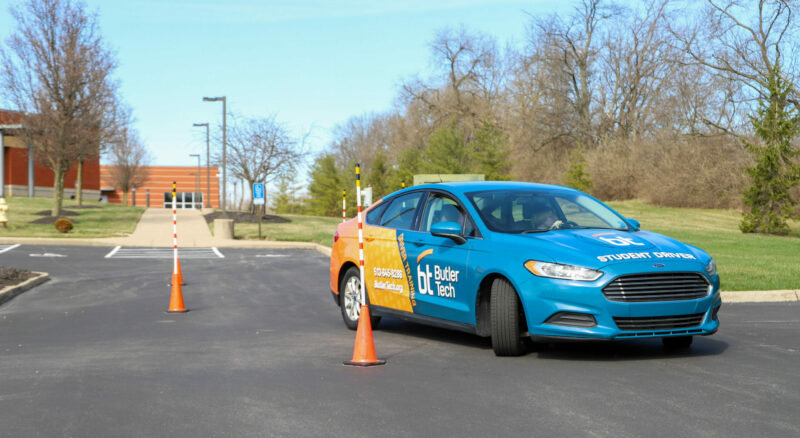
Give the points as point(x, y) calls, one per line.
point(350, 299)
point(677, 342)
point(506, 320)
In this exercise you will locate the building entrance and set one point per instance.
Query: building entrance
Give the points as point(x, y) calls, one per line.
point(184, 200)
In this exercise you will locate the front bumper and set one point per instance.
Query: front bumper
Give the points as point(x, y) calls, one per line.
point(543, 298)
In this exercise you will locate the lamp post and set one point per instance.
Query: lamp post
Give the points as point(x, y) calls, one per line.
point(196, 181)
point(208, 165)
point(224, 141)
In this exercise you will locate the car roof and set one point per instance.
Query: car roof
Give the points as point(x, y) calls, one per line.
point(477, 186)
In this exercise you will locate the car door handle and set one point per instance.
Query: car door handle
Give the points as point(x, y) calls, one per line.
point(369, 239)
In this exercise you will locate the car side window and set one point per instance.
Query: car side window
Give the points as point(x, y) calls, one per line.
point(400, 213)
point(441, 208)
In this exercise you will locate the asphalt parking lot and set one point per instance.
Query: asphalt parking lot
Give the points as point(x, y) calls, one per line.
point(92, 353)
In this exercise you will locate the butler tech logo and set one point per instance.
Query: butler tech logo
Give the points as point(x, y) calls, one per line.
point(441, 282)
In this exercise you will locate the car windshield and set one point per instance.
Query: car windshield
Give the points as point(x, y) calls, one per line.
point(536, 211)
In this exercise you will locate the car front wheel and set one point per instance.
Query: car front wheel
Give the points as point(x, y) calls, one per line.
point(506, 320)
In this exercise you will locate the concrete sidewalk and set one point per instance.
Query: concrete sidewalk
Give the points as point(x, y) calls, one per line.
point(155, 230)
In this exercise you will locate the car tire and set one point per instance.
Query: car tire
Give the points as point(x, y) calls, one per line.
point(350, 299)
point(506, 320)
point(677, 342)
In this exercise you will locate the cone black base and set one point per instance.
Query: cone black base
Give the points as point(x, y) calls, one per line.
point(365, 364)
point(176, 311)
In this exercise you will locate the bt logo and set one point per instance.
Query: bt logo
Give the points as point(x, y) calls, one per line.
point(443, 284)
point(621, 241)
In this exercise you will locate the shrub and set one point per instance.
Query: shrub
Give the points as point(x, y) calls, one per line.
point(63, 224)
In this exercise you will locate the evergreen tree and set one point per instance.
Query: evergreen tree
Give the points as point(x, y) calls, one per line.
point(489, 152)
point(325, 187)
point(285, 196)
point(776, 170)
point(381, 178)
point(408, 165)
point(576, 176)
point(446, 152)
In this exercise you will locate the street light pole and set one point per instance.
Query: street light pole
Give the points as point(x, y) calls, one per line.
point(224, 101)
point(196, 181)
point(208, 165)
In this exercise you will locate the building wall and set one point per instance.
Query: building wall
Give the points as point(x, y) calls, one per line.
point(160, 180)
point(17, 171)
point(16, 174)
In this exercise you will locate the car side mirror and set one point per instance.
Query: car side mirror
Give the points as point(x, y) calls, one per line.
point(450, 230)
point(634, 223)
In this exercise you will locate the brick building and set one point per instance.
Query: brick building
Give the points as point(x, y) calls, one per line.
point(192, 191)
point(21, 174)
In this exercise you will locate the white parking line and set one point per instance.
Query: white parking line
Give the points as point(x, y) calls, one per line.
point(163, 253)
point(7, 248)
point(113, 251)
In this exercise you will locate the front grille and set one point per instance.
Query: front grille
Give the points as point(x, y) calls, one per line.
point(667, 286)
point(659, 322)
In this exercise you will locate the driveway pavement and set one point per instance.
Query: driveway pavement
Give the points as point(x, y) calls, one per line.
point(92, 353)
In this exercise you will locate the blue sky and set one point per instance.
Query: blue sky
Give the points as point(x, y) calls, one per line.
point(312, 63)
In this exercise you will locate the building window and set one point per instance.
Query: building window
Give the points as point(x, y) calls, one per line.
point(184, 199)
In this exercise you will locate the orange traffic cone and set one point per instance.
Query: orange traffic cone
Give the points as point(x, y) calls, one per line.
point(176, 297)
point(364, 350)
point(180, 276)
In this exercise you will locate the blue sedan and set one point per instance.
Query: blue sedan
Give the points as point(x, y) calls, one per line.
point(515, 260)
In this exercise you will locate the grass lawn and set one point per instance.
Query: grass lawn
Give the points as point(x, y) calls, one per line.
point(109, 220)
point(318, 229)
point(744, 261)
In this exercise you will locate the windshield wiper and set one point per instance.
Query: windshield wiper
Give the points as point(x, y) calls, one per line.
point(533, 231)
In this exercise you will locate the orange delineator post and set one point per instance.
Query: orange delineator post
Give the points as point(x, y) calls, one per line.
point(364, 349)
point(176, 296)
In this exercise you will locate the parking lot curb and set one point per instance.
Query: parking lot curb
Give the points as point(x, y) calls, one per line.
point(9, 292)
point(760, 296)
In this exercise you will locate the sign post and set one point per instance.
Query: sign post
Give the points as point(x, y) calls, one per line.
point(258, 199)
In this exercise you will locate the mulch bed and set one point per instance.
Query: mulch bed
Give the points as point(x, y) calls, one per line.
point(49, 220)
point(11, 276)
point(63, 212)
point(245, 217)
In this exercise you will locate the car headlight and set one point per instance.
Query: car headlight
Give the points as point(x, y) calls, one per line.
point(711, 268)
point(564, 272)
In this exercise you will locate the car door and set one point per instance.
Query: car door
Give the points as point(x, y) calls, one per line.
point(387, 275)
point(440, 265)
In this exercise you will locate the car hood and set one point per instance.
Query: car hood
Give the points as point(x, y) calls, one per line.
point(598, 248)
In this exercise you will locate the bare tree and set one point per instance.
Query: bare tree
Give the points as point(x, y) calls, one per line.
point(261, 149)
point(639, 64)
point(57, 70)
point(746, 42)
point(129, 159)
point(469, 79)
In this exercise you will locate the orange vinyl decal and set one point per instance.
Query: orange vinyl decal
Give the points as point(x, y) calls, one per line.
point(422, 255)
point(384, 271)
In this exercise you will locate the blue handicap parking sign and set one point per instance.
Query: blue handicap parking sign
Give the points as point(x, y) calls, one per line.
point(258, 193)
